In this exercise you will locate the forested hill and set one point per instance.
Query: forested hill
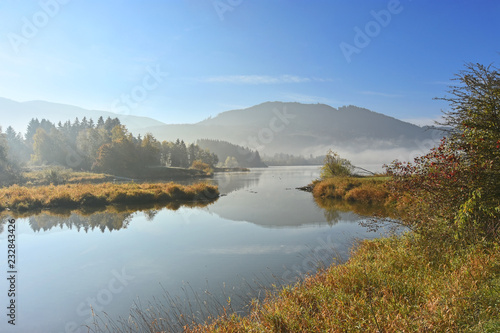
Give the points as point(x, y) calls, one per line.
point(304, 129)
point(243, 157)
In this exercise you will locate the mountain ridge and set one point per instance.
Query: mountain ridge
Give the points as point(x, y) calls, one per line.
point(268, 127)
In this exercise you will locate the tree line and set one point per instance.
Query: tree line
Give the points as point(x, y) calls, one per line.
point(232, 155)
point(289, 159)
point(105, 146)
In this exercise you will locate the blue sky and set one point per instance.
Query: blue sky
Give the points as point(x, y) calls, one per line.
point(183, 61)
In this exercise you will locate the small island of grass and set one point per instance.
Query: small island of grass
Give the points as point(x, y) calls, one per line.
point(73, 196)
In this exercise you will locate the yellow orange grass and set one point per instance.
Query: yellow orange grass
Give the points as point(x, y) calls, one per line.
point(388, 285)
point(354, 189)
point(25, 198)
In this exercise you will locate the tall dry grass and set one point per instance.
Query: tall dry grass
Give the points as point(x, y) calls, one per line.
point(367, 190)
point(70, 196)
point(388, 285)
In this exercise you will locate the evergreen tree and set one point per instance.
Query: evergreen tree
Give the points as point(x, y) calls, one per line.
point(192, 153)
point(84, 124)
point(165, 151)
point(8, 172)
point(33, 125)
point(183, 155)
point(109, 124)
point(100, 122)
point(19, 152)
point(175, 154)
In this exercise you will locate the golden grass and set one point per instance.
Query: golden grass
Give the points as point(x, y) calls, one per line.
point(388, 285)
point(37, 178)
point(71, 196)
point(367, 190)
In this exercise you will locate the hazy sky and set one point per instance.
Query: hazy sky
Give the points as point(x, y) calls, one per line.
point(185, 60)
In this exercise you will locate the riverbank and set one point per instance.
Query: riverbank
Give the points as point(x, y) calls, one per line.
point(73, 196)
point(407, 283)
point(388, 285)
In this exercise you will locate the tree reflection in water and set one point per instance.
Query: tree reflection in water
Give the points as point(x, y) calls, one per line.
point(108, 218)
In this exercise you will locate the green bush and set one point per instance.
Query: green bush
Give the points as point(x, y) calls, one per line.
point(336, 166)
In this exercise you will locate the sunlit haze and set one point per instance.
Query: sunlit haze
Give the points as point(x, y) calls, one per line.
point(183, 61)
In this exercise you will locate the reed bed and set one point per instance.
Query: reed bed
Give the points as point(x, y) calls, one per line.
point(72, 196)
point(367, 190)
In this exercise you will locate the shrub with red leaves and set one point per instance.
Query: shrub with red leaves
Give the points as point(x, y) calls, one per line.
point(456, 186)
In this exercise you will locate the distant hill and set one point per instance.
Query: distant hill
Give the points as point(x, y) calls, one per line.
point(18, 114)
point(304, 129)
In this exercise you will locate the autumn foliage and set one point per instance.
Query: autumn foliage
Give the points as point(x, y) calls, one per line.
point(454, 190)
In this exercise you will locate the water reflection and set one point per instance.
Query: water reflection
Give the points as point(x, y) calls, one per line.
point(263, 229)
point(233, 181)
point(269, 198)
point(104, 218)
point(101, 221)
point(256, 197)
point(334, 210)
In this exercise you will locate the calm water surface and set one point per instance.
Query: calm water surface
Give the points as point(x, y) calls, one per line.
point(262, 231)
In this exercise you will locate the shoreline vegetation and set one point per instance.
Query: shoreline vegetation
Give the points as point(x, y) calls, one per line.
point(87, 196)
point(363, 195)
point(394, 284)
point(59, 175)
point(236, 169)
point(63, 190)
point(362, 189)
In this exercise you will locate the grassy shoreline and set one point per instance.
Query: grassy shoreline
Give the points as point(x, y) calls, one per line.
point(59, 175)
point(395, 284)
point(399, 283)
point(73, 196)
point(366, 190)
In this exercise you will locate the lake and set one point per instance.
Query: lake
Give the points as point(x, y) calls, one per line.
point(262, 231)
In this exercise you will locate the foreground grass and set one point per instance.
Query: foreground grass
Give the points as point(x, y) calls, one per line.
point(72, 196)
point(396, 284)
